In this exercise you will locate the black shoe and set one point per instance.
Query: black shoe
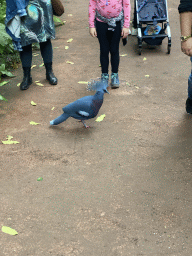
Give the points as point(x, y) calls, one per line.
point(27, 79)
point(49, 74)
point(189, 106)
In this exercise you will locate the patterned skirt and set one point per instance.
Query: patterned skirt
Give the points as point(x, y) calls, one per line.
point(38, 25)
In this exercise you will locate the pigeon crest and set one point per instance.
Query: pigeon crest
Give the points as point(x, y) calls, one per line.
point(97, 85)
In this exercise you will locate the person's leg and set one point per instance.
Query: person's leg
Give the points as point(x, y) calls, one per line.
point(47, 55)
point(26, 60)
point(114, 47)
point(114, 50)
point(189, 99)
point(102, 30)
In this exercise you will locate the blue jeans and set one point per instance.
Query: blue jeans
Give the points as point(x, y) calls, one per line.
point(190, 83)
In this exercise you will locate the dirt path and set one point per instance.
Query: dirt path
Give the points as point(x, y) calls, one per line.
point(122, 187)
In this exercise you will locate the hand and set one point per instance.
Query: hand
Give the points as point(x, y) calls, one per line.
point(93, 32)
point(186, 47)
point(125, 32)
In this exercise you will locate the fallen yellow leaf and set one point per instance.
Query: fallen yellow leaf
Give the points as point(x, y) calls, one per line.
point(56, 47)
point(41, 65)
point(70, 40)
point(100, 118)
point(123, 55)
point(9, 231)
point(33, 123)
point(40, 84)
point(83, 82)
point(146, 75)
point(33, 66)
point(144, 58)
point(70, 15)
point(9, 141)
point(66, 47)
point(69, 62)
point(53, 108)
point(18, 84)
point(37, 81)
point(33, 103)
point(35, 54)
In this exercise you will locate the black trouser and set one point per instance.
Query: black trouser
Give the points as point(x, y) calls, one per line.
point(109, 42)
point(46, 53)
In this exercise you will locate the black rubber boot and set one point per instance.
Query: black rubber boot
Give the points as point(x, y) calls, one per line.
point(27, 79)
point(49, 74)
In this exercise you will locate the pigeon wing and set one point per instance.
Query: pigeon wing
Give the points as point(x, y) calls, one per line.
point(80, 108)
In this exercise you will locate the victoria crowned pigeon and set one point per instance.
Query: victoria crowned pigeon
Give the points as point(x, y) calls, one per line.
point(84, 108)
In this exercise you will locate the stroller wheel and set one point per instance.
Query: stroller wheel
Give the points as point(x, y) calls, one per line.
point(140, 45)
point(169, 46)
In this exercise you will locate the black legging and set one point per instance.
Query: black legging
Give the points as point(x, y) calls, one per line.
point(109, 42)
point(46, 53)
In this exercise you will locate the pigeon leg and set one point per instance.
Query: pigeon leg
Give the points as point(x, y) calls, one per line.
point(85, 124)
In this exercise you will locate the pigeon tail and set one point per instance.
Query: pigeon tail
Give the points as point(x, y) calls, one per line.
point(59, 119)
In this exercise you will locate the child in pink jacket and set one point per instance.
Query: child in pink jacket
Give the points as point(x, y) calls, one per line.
point(108, 21)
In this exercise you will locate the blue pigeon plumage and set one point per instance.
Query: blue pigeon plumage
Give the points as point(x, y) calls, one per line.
point(84, 108)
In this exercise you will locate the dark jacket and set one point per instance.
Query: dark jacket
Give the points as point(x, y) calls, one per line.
point(185, 6)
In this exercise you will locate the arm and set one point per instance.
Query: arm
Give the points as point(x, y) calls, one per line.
point(127, 14)
point(186, 27)
point(92, 7)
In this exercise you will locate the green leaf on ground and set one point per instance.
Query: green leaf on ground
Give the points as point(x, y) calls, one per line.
point(123, 55)
point(3, 83)
point(100, 118)
point(18, 84)
point(9, 141)
point(66, 47)
point(40, 179)
point(9, 231)
point(7, 73)
point(41, 65)
point(33, 123)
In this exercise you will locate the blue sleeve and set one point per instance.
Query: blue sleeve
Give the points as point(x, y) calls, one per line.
point(21, 7)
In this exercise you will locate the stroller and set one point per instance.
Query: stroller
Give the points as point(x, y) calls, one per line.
point(149, 13)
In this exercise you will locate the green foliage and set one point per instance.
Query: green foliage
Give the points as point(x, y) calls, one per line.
point(57, 21)
point(2, 10)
